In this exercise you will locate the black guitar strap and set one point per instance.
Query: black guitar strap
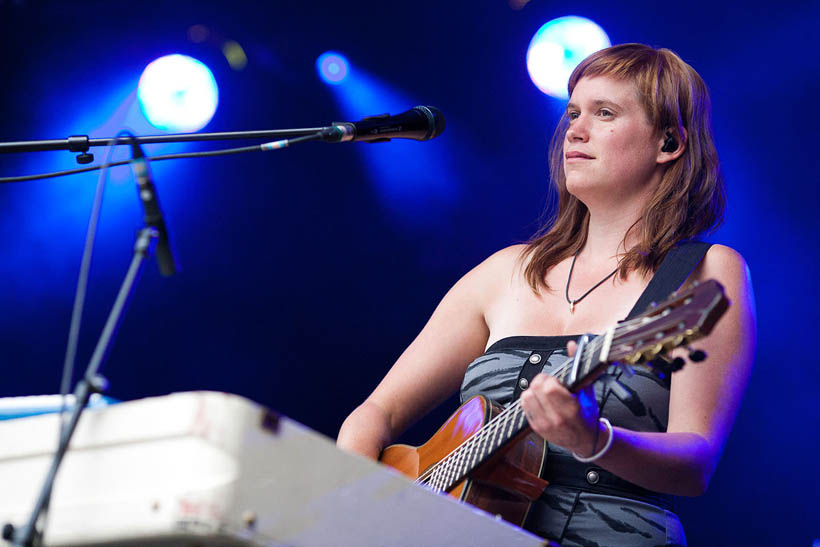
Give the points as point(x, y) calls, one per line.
point(674, 269)
point(678, 264)
point(562, 469)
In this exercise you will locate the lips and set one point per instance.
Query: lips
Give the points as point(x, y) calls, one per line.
point(580, 155)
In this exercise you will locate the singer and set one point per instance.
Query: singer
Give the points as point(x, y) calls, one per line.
point(635, 167)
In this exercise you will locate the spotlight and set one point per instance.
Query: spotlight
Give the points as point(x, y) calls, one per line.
point(332, 67)
point(558, 47)
point(177, 93)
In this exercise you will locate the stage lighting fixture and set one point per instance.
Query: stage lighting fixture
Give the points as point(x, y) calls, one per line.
point(177, 93)
point(558, 47)
point(332, 67)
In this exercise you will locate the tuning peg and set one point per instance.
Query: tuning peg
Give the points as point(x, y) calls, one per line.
point(652, 352)
point(696, 355)
point(634, 359)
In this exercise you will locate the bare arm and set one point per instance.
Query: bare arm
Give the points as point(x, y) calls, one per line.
point(704, 400)
point(432, 367)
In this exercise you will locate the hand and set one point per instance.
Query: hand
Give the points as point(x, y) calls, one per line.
point(561, 417)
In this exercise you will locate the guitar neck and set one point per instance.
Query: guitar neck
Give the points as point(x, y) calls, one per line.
point(477, 449)
point(574, 373)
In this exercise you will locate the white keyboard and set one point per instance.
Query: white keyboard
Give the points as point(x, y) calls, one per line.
point(32, 405)
point(205, 468)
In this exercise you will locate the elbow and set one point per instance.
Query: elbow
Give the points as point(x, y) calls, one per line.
point(695, 484)
point(696, 480)
point(366, 431)
point(695, 468)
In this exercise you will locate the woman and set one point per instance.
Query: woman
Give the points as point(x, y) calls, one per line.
point(637, 173)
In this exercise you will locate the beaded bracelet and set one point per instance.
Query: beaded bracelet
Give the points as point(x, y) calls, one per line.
point(604, 449)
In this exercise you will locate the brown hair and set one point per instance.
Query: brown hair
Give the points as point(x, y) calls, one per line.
point(690, 198)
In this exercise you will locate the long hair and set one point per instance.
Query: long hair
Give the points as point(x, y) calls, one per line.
point(690, 199)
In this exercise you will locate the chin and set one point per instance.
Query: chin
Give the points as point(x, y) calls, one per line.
point(580, 188)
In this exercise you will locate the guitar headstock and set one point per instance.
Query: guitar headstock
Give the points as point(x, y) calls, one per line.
point(685, 316)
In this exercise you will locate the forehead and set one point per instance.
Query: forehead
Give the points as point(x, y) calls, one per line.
point(607, 89)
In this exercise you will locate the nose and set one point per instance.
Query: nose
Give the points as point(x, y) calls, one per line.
point(578, 131)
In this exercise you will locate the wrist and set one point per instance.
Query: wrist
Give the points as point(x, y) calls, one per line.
point(600, 437)
point(591, 443)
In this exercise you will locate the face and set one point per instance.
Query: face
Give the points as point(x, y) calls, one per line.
point(610, 144)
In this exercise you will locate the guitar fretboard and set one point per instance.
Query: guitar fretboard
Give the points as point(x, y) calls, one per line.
point(508, 424)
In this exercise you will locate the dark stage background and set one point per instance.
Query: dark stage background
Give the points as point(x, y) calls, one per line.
point(305, 272)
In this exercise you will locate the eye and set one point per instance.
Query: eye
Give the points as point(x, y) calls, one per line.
point(572, 114)
point(605, 112)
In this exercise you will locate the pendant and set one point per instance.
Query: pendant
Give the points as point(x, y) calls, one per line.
point(572, 306)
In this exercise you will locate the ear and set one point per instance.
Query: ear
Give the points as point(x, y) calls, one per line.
point(671, 145)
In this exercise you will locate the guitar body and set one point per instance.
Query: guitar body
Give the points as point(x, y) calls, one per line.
point(505, 485)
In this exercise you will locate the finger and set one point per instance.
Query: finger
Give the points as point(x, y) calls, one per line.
point(572, 346)
point(532, 405)
point(550, 401)
point(551, 387)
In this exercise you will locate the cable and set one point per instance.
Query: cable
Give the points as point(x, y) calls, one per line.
point(79, 302)
point(82, 284)
point(82, 281)
point(223, 152)
point(85, 267)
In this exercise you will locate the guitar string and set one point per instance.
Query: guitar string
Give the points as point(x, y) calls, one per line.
point(445, 466)
point(500, 421)
point(508, 416)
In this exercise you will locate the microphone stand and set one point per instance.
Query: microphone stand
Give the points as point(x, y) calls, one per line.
point(28, 535)
point(81, 143)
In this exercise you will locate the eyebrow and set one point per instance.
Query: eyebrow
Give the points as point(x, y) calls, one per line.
point(598, 102)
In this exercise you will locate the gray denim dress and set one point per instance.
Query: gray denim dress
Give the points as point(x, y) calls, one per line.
point(579, 513)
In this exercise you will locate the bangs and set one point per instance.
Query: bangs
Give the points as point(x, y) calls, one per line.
point(649, 69)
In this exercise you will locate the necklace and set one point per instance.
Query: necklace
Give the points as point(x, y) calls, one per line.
point(569, 277)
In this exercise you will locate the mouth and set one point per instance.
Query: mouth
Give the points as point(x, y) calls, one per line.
point(578, 155)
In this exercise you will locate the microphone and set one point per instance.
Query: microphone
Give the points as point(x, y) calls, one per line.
point(421, 123)
point(153, 214)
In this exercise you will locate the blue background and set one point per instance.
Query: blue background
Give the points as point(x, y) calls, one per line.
point(306, 272)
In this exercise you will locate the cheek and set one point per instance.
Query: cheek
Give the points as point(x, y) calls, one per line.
point(631, 153)
point(620, 141)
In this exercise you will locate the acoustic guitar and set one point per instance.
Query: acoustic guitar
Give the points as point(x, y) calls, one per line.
point(488, 456)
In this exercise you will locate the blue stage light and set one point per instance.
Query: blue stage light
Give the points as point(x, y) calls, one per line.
point(414, 181)
point(332, 67)
point(178, 93)
point(558, 47)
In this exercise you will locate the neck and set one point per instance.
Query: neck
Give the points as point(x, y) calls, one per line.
point(608, 226)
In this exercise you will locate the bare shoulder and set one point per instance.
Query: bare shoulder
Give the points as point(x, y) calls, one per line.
point(727, 266)
point(723, 258)
point(488, 283)
point(502, 265)
point(507, 256)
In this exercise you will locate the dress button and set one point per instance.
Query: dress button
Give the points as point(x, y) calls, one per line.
point(535, 358)
point(523, 383)
point(593, 477)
